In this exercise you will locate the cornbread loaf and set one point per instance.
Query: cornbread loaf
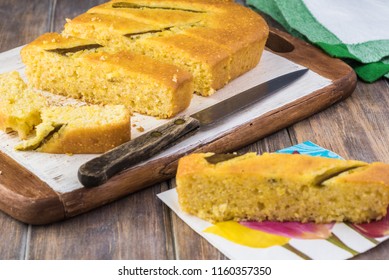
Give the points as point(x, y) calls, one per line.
point(74, 130)
point(282, 187)
point(216, 41)
point(82, 68)
point(19, 106)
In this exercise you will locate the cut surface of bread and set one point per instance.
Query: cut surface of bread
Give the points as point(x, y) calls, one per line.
point(85, 129)
point(83, 69)
point(19, 106)
point(282, 187)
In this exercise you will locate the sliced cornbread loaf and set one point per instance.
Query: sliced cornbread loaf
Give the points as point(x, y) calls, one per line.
point(282, 187)
point(81, 68)
point(19, 106)
point(193, 35)
point(86, 129)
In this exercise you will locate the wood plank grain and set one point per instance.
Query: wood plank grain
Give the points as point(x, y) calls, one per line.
point(132, 228)
point(356, 128)
point(21, 23)
point(13, 238)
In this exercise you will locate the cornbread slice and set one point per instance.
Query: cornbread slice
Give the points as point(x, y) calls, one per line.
point(193, 35)
point(80, 130)
point(282, 187)
point(19, 106)
point(83, 69)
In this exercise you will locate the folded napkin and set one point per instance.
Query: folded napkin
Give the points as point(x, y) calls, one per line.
point(356, 32)
point(287, 240)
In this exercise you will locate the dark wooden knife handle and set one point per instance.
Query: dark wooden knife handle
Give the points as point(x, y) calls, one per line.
point(98, 170)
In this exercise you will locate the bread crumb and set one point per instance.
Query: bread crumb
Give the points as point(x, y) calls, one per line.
point(140, 129)
point(68, 20)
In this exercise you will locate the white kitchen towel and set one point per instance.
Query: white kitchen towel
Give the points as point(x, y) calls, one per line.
point(356, 31)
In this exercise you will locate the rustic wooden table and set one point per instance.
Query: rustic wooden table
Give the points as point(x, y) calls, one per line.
point(140, 226)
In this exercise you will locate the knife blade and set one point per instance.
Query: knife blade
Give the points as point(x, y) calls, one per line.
point(100, 169)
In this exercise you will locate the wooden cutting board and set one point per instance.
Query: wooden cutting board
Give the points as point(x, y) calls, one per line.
point(26, 197)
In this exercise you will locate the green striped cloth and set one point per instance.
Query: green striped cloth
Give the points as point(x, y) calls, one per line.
point(355, 31)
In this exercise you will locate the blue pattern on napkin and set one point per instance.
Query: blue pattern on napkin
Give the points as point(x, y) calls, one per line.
point(309, 148)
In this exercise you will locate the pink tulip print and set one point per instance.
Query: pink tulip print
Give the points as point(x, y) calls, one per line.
point(374, 229)
point(267, 234)
point(293, 229)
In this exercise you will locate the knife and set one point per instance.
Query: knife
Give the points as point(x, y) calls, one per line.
point(100, 169)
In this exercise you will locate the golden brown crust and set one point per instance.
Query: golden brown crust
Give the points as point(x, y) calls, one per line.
point(376, 171)
point(85, 23)
point(298, 167)
point(152, 17)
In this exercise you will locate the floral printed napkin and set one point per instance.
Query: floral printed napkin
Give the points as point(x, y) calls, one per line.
point(356, 32)
point(287, 240)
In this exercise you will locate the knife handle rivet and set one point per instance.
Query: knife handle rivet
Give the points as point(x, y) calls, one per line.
point(156, 134)
point(179, 121)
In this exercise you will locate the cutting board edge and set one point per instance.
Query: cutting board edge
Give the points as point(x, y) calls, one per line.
point(25, 197)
